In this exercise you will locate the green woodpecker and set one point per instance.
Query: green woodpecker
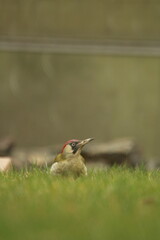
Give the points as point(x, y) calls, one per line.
point(69, 161)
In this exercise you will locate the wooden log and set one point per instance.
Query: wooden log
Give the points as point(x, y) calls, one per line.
point(119, 151)
point(5, 164)
point(6, 146)
point(40, 157)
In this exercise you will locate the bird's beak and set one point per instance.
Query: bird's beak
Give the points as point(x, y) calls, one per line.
point(84, 142)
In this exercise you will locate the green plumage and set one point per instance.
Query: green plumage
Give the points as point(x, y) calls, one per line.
point(69, 161)
point(71, 166)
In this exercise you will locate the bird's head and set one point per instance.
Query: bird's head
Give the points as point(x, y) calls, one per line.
point(73, 147)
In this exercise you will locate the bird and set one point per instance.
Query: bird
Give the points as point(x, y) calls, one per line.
point(70, 161)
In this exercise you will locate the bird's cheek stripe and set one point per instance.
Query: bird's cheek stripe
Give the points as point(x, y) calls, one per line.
point(75, 150)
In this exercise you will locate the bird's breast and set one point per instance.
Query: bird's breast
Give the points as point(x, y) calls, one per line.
point(74, 166)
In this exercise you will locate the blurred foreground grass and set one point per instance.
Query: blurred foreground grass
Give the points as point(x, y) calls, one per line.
point(119, 203)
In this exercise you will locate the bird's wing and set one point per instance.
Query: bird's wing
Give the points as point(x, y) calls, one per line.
point(58, 158)
point(60, 168)
point(54, 168)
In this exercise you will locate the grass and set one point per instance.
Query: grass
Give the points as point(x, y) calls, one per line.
point(119, 203)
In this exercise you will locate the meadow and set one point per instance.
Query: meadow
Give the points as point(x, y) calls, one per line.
point(117, 203)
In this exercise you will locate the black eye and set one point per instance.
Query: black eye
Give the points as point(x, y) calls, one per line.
point(73, 144)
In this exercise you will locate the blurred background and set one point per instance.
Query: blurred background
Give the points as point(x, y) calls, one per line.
point(78, 69)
